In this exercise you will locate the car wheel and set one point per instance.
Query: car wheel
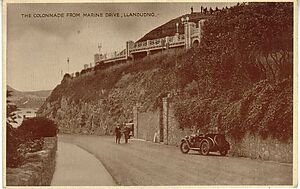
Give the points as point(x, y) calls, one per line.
point(204, 148)
point(184, 147)
point(223, 152)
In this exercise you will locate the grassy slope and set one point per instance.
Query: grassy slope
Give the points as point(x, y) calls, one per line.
point(169, 28)
point(214, 90)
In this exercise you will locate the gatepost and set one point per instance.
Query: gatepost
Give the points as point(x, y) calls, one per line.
point(165, 119)
point(135, 121)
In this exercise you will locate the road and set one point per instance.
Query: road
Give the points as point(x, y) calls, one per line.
point(142, 163)
point(77, 167)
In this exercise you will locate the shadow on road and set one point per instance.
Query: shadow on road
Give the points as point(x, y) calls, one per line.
point(210, 154)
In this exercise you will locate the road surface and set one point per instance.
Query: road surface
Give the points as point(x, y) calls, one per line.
point(145, 163)
point(77, 167)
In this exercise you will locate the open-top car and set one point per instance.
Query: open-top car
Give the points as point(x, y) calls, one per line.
point(205, 143)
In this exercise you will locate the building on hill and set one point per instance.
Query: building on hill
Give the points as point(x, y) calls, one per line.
point(182, 32)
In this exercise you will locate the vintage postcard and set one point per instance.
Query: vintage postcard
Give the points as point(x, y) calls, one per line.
point(177, 94)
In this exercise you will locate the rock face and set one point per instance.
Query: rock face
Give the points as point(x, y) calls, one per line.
point(253, 115)
point(233, 83)
point(39, 169)
point(95, 103)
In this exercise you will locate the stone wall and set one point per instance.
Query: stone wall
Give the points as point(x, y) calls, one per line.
point(38, 169)
point(251, 146)
point(148, 125)
point(172, 133)
point(267, 149)
point(175, 133)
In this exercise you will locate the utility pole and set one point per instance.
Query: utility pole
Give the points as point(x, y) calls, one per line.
point(99, 47)
point(176, 65)
point(68, 60)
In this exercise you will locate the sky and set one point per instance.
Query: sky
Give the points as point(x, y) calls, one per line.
point(38, 48)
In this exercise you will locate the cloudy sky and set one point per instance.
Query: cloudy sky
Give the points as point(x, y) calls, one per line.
point(37, 48)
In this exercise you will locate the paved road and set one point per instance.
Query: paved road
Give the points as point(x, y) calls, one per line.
point(147, 163)
point(77, 167)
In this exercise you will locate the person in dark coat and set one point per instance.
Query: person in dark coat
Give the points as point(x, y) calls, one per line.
point(118, 134)
point(126, 134)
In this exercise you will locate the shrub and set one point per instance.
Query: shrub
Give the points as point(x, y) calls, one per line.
point(67, 76)
point(27, 138)
point(13, 157)
point(38, 127)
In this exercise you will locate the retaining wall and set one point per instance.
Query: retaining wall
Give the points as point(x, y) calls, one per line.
point(250, 145)
point(148, 125)
point(266, 149)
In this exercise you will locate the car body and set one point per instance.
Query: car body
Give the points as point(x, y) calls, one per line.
point(205, 143)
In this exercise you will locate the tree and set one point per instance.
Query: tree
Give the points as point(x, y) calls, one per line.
point(10, 108)
point(14, 159)
point(259, 35)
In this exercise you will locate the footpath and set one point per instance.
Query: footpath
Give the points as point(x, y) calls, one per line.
point(77, 167)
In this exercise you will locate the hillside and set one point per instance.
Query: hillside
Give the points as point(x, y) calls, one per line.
point(169, 28)
point(240, 80)
point(28, 99)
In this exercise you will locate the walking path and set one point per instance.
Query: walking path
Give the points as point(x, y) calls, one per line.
point(77, 167)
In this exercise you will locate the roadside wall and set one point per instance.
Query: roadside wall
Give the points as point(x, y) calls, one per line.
point(251, 146)
point(172, 131)
point(148, 124)
point(159, 126)
point(39, 169)
point(267, 149)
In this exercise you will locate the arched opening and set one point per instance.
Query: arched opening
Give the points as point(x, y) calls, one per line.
point(196, 43)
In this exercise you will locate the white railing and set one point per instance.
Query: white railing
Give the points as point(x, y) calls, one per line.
point(156, 43)
point(147, 44)
point(115, 55)
point(176, 40)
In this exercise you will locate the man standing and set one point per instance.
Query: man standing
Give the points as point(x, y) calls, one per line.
point(126, 134)
point(118, 134)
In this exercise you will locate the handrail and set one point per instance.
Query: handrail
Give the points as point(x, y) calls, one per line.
point(153, 43)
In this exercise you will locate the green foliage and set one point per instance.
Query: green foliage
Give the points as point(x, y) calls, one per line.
point(265, 109)
point(19, 142)
point(241, 46)
point(26, 138)
point(90, 87)
point(243, 35)
point(67, 76)
point(13, 156)
point(37, 128)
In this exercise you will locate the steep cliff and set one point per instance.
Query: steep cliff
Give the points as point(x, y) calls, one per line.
point(95, 102)
point(239, 80)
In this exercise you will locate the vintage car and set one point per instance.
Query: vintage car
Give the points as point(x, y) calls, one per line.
point(205, 143)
